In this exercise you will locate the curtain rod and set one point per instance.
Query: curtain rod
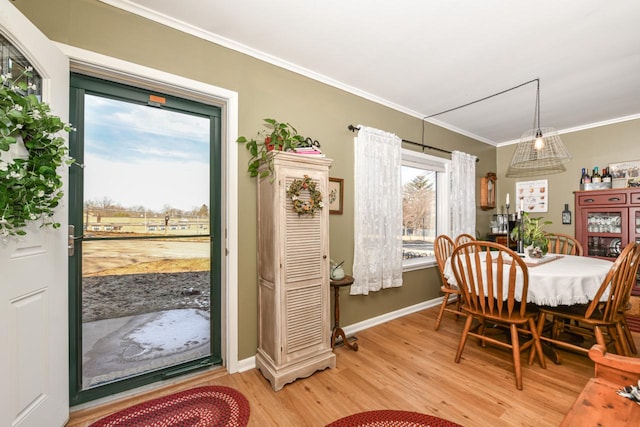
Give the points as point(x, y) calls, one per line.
point(353, 128)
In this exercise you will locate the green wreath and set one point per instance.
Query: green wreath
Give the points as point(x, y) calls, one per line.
point(305, 206)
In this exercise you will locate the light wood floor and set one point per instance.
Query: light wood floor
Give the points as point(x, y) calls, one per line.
point(404, 364)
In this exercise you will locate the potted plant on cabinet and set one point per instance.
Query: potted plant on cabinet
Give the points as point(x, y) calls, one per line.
point(533, 236)
point(282, 137)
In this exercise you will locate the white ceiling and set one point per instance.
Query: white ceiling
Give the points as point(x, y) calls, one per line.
point(426, 56)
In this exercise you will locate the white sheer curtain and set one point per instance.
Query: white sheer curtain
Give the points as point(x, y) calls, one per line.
point(377, 260)
point(463, 193)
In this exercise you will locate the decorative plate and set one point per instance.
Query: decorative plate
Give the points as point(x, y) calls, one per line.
point(615, 246)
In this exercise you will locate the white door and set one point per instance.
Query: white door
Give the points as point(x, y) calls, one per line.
point(34, 347)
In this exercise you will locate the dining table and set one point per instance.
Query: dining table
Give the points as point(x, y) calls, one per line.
point(557, 279)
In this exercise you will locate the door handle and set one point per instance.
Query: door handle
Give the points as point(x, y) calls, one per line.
point(71, 238)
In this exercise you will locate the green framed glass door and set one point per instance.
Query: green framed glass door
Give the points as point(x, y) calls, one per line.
point(145, 207)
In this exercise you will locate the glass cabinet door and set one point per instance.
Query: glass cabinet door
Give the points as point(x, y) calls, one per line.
point(634, 235)
point(634, 226)
point(604, 232)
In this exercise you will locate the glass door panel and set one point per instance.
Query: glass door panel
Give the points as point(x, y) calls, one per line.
point(635, 225)
point(145, 301)
point(604, 232)
point(634, 236)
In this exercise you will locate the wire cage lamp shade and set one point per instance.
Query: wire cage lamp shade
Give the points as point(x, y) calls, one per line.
point(540, 150)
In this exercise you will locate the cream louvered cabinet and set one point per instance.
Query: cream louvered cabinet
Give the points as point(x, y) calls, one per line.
point(293, 274)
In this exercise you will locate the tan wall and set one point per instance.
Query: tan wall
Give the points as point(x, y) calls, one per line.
point(592, 147)
point(315, 109)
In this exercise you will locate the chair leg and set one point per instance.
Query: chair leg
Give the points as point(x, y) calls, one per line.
point(537, 345)
point(445, 300)
point(624, 342)
point(628, 336)
point(463, 337)
point(557, 328)
point(515, 349)
point(617, 340)
point(458, 305)
point(482, 329)
point(539, 330)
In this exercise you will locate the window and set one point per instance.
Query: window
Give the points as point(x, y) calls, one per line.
point(424, 207)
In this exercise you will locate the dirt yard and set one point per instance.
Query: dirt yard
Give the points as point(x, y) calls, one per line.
point(146, 287)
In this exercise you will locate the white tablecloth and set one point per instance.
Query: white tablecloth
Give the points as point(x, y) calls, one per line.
point(567, 280)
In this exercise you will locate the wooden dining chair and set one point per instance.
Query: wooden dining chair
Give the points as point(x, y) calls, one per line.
point(464, 238)
point(494, 282)
point(443, 247)
point(563, 244)
point(603, 314)
point(624, 307)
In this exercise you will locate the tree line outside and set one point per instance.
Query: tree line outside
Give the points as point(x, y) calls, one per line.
point(107, 216)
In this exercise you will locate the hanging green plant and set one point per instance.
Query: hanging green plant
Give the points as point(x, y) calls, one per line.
point(305, 206)
point(31, 151)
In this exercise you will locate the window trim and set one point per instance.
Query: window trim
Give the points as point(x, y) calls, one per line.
point(442, 167)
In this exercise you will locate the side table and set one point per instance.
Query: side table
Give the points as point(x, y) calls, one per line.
point(337, 330)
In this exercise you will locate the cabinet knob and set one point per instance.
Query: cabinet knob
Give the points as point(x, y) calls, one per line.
point(324, 257)
point(589, 200)
point(614, 199)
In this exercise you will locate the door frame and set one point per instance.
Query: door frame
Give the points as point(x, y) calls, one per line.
point(98, 65)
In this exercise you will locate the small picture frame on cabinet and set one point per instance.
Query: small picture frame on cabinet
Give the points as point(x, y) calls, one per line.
point(628, 169)
point(336, 196)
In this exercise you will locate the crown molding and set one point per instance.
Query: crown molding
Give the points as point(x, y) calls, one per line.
point(582, 127)
point(179, 25)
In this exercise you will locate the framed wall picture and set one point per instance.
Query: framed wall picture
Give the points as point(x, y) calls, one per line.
point(533, 196)
point(336, 195)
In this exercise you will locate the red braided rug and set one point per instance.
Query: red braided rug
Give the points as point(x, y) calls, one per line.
point(389, 418)
point(198, 407)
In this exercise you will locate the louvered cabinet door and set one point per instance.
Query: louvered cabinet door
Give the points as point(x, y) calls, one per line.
point(293, 267)
point(305, 270)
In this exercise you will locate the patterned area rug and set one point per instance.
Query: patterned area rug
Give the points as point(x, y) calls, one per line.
point(198, 407)
point(633, 322)
point(389, 418)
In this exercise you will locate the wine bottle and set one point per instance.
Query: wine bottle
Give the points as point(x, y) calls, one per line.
point(606, 175)
point(584, 172)
point(596, 177)
point(586, 178)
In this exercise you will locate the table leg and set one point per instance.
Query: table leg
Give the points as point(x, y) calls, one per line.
point(549, 349)
point(337, 330)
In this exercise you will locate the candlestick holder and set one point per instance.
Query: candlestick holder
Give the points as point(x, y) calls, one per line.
point(507, 222)
point(520, 248)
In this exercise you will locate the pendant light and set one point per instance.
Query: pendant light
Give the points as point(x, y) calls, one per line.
point(540, 150)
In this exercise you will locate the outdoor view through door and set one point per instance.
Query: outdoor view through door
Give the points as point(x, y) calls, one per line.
point(144, 267)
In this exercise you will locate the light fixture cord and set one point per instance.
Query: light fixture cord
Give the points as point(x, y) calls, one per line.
point(537, 80)
point(536, 119)
point(485, 98)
